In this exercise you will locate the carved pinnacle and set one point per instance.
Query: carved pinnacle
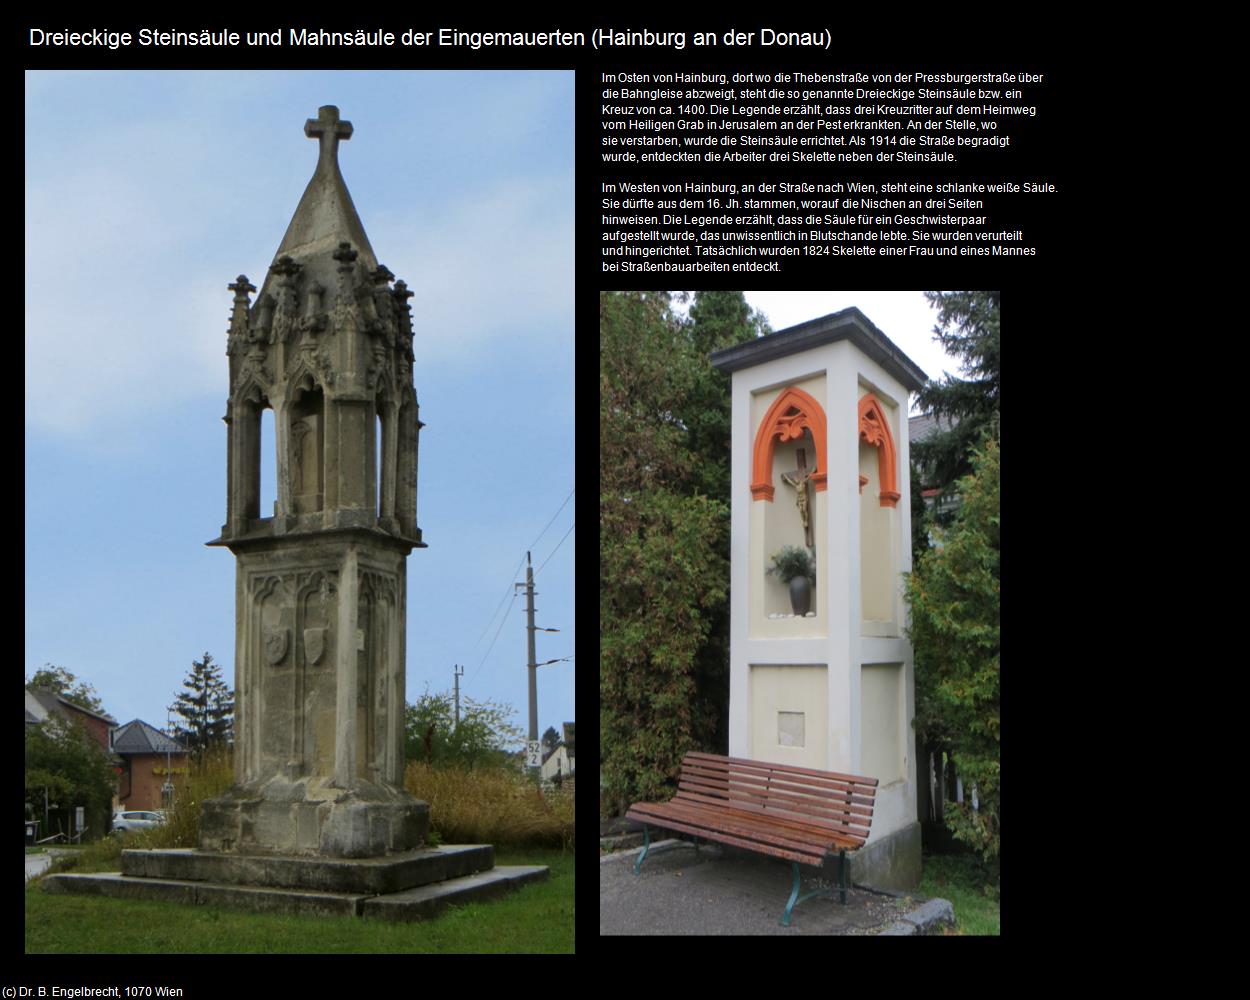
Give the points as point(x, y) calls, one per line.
point(285, 266)
point(242, 288)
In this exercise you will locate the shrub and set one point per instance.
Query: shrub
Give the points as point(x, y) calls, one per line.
point(954, 598)
point(482, 738)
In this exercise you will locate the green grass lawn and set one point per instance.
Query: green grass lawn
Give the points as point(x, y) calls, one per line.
point(960, 879)
point(534, 918)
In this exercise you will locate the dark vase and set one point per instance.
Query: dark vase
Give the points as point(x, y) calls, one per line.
point(800, 595)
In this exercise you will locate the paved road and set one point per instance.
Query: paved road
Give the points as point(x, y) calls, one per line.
point(36, 863)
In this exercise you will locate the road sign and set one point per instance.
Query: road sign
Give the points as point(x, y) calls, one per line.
point(534, 753)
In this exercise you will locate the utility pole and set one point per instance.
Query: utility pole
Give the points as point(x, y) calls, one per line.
point(534, 749)
point(459, 672)
point(533, 667)
point(167, 789)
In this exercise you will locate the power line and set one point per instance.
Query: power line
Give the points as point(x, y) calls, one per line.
point(512, 590)
point(553, 518)
point(553, 551)
point(500, 604)
point(502, 622)
point(520, 563)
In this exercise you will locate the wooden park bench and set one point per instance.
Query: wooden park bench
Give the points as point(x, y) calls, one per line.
point(795, 813)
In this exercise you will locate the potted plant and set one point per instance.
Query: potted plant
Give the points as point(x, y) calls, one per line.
point(796, 567)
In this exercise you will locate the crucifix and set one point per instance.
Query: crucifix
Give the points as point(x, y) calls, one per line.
point(328, 130)
point(798, 478)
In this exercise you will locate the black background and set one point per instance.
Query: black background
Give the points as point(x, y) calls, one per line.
point(1076, 383)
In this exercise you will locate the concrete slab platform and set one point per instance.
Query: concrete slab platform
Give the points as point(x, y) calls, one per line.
point(714, 892)
point(429, 900)
point(365, 876)
point(254, 899)
point(417, 903)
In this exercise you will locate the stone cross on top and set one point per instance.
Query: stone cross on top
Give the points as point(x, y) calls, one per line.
point(328, 130)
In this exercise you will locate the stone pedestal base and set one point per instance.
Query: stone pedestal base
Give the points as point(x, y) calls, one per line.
point(893, 862)
point(414, 885)
point(370, 876)
point(311, 816)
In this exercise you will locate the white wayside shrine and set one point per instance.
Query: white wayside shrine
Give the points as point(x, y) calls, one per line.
point(820, 465)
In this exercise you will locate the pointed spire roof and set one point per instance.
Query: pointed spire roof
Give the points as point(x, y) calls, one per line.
point(325, 216)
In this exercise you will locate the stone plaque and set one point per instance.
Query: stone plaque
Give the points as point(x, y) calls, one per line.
point(790, 729)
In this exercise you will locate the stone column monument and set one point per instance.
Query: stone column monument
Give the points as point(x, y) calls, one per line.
point(318, 820)
point(822, 408)
point(321, 585)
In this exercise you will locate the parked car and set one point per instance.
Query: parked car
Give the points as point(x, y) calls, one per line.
point(136, 819)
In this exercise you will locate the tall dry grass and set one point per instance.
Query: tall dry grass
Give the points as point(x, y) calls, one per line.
point(492, 806)
point(210, 775)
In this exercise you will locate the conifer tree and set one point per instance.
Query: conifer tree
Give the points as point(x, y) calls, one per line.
point(967, 405)
point(206, 708)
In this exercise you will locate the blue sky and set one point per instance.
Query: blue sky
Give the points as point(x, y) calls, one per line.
point(146, 194)
point(905, 317)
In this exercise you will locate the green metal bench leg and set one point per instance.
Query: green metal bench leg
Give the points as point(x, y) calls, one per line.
point(646, 846)
point(795, 899)
point(794, 895)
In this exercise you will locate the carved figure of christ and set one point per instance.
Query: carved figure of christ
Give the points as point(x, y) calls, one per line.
point(798, 478)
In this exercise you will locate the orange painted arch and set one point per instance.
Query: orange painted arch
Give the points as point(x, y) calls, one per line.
point(792, 412)
point(874, 429)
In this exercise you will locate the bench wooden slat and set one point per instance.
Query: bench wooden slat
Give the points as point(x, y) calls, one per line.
point(857, 779)
point(801, 783)
point(672, 824)
point(797, 777)
point(792, 826)
point(744, 826)
point(841, 804)
point(750, 841)
point(849, 806)
point(850, 823)
point(852, 826)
